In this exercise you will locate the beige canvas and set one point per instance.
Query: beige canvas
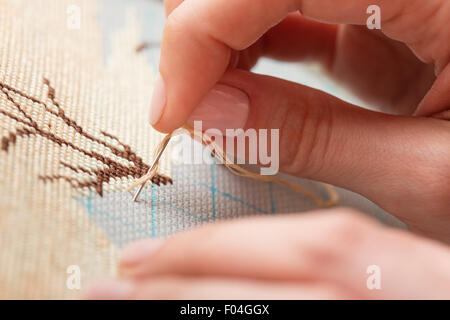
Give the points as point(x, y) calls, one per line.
point(70, 122)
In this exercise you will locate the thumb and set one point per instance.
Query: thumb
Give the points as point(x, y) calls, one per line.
point(386, 158)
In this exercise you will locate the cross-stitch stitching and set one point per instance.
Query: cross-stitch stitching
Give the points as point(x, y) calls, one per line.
point(97, 177)
point(74, 135)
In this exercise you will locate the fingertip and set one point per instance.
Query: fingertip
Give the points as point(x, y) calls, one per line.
point(167, 124)
point(139, 252)
point(160, 116)
point(158, 101)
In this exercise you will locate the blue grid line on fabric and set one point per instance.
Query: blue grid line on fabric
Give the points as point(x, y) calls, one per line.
point(113, 218)
point(225, 194)
point(180, 210)
point(89, 206)
point(91, 209)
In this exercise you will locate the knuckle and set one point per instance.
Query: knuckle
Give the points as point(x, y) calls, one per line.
point(347, 227)
point(438, 185)
point(306, 149)
point(206, 240)
point(291, 137)
point(342, 233)
point(189, 249)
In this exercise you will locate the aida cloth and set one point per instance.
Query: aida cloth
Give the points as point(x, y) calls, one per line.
point(69, 126)
point(74, 134)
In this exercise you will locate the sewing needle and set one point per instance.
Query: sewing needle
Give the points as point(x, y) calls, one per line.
point(155, 163)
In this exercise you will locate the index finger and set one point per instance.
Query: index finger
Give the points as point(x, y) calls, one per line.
point(197, 43)
point(200, 35)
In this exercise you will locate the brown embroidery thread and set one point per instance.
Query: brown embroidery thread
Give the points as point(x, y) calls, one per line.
point(219, 153)
point(108, 171)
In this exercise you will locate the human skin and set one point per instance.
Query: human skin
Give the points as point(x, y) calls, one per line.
point(398, 160)
point(317, 255)
point(398, 157)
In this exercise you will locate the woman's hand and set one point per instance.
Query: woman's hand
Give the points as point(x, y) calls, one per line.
point(319, 255)
point(401, 162)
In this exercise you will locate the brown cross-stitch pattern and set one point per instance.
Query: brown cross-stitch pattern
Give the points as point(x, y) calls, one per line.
point(108, 171)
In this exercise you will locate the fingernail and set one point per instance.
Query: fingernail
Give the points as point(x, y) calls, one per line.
point(224, 107)
point(139, 251)
point(109, 290)
point(158, 100)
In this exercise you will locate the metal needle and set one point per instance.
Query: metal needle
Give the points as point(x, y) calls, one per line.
point(155, 162)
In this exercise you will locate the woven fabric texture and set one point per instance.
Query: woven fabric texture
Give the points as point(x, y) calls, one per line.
point(75, 84)
point(70, 122)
